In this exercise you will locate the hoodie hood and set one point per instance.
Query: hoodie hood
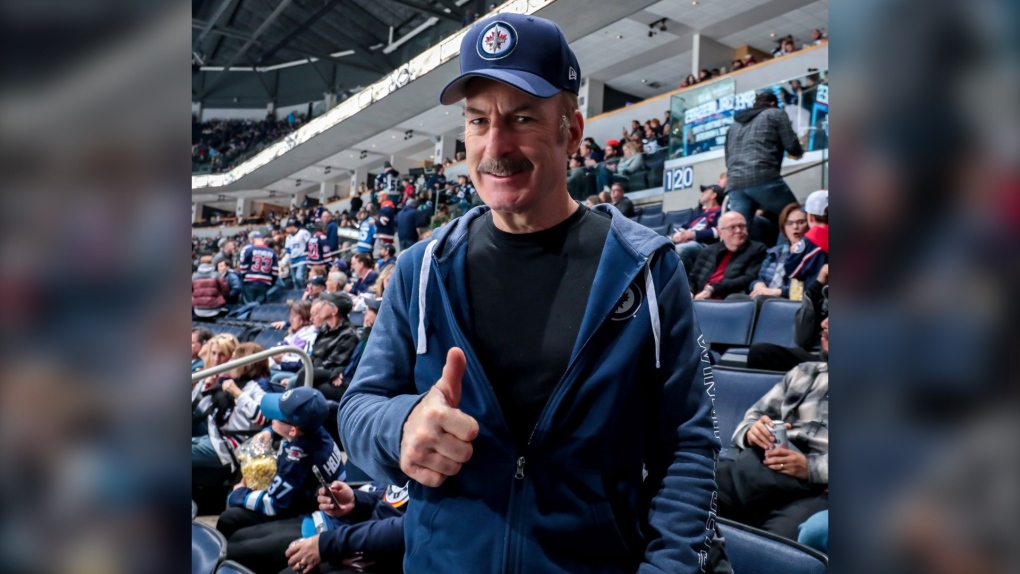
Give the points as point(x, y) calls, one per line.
point(747, 115)
point(205, 271)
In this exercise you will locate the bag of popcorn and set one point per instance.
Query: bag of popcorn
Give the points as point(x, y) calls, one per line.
point(258, 463)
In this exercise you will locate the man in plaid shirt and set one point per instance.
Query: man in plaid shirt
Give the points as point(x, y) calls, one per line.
point(755, 145)
point(775, 488)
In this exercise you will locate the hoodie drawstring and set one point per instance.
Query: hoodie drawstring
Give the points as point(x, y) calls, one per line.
point(653, 308)
point(423, 285)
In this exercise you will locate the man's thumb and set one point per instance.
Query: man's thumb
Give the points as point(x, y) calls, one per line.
point(453, 373)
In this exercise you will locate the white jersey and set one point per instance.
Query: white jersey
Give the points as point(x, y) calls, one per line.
point(297, 247)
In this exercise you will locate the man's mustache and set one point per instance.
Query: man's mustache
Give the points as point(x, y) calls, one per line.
point(505, 166)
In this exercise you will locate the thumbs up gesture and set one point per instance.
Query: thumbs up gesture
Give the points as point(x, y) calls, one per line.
point(437, 435)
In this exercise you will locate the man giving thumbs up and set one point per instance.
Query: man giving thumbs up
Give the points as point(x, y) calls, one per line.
point(437, 436)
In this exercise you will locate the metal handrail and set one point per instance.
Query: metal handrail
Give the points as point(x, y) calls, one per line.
point(305, 359)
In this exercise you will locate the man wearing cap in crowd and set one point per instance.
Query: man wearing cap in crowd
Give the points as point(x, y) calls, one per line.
point(812, 252)
point(296, 246)
point(605, 169)
point(387, 184)
point(315, 286)
point(534, 358)
point(702, 228)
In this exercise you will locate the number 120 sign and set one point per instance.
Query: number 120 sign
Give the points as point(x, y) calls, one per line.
point(678, 178)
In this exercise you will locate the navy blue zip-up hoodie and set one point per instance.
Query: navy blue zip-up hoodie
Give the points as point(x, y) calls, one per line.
point(637, 392)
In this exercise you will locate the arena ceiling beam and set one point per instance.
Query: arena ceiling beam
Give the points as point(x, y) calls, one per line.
point(247, 45)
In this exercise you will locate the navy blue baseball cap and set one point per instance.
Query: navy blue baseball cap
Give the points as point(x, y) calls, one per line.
point(303, 407)
point(526, 52)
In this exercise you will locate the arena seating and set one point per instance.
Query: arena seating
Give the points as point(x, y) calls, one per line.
point(269, 313)
point(652, 219)
point(208, 548)
point(753, 551)
point(736, 390)
point(678, 217)
point(773, 325)
point(726, 322)
point(293, 294)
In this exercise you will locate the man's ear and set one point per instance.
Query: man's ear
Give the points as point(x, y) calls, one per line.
point(576, 130)
point(293, 432)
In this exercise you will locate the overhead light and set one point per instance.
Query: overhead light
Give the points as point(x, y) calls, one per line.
point(326, 170)
point(297, 183)
point(644, 81)
point(619, 37)
point(352, 155)
point(772, 35)
point(421, 124)
point(393, 137)
point(695, 3)
point(373, 145)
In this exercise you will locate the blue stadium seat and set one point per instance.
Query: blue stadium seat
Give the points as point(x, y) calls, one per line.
point(661, 229)
point(270, 312)
point(652, 209)
point(238, 331)
point(753, 551)
point(357, 319)
point(208, 548)
point(655, 163)
point(678, 217)
point(735, 391)
point(725, 322)
point(651, 219)
point(774, 325)
point(270, 337)
point(231, 567)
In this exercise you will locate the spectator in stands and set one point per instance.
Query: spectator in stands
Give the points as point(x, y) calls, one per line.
point(811, 253)
point(379, 287)
point(650, 141)
point(754, 153)
point(334, 343)
point(577, 177)
point(259, 268)
point(702, 228)
point(787, 46)
point(364, 276)
point(729, 266)
point(332, 231)
point(227, 253)
point(633, 161)
point(689, 81)
point(301, 333)
point(233, 280)
point(385, 227)
point(357, 202)
point(260, 524)
point(517, 270)
point(441, 217)
point(366, 235)
point(230, 406)
point(776, 488)
point(605, 197)
point(317, 249)
point(409, 220)
point(590, 151)
point(316, 285)
point(208, 290)
point(604, 171)
point(372, 302)
point(704, 75)
point(818, 37)
point(296, 246)
point(620, 201)
point(407, 190)
point(373, 534)
point(389, 257)
point(807, 330)
point(636, 131)
point(437, 180)
point(199, 337)
point(772, 279)
point(737, 64)
point(335, 281)
point(388, 182)
point(592, 201)
point(667, 123)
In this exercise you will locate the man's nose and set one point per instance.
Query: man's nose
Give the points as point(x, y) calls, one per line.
point(501, 141)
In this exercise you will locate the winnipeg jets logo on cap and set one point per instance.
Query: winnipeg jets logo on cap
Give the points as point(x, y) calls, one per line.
point(286, 395)
point(496, 41)
point(628, 304)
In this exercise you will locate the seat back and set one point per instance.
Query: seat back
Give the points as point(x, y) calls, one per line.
point(661, 229)
point(775, 323)
point(269, 313)
point(654, 208)
point(231, 567)
point(725, 322)
point(753, 551)
point(678, 217)
point(208, 548)
point(736, 390)
point(270, 337)
point(653, 219)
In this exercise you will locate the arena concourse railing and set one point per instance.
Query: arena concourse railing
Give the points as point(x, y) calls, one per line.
point(305, 360)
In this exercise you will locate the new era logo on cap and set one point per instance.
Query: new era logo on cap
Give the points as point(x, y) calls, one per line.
point(526, 52)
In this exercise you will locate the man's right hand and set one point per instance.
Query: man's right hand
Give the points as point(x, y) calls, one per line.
point(344, 495)
point(437, 435)
point(760, 434)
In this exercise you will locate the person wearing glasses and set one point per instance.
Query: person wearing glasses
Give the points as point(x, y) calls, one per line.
point(729, 266)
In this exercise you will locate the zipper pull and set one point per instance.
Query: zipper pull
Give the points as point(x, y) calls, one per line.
point(520, 469)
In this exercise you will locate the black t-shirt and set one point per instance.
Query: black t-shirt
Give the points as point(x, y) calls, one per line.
point(528, 293)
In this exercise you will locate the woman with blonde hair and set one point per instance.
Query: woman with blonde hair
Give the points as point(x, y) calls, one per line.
point(216, 352)
point(379, 287)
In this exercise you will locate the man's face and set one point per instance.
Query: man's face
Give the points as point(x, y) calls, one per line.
point(195, 346)
point(706, 197)
point(327, 217)
point(515, 147)
point(369, 319)
point(616, 192)
point(315, 289)
point(610, 151)
point(228, 247)
point(357, 265)
point(291, 229)
point(825, 335)
point(316, 314)
point(732, 230)
point(221, 266)
point(634, 125)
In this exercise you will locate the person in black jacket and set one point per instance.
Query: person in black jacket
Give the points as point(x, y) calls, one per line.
point(333, 346)
point(807, 331)
point(409, 219)
point(729, 266)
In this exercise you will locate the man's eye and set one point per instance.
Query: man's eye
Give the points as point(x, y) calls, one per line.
point(522, 119)
point(477, 121)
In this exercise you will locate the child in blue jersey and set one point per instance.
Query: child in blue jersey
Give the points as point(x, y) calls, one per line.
point(259, 524)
